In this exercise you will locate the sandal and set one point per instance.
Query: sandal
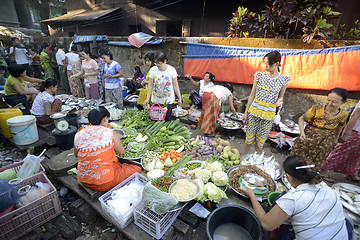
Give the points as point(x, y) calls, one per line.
point(352, 178)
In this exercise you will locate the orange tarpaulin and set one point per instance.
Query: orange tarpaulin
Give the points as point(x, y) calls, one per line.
point(321, 69)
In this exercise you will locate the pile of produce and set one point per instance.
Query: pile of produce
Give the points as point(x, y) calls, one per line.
point(164, 136)
point(133, 155)
point(163, 183)
point(223, 146)
point(199, 148)
point(135, 118)
point(184, 190)
point(236, 173)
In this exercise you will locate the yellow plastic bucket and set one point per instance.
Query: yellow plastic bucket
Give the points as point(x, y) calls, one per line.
point(185, 98)
point(5, 114)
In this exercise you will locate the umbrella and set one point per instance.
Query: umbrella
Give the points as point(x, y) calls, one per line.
point(139, 39)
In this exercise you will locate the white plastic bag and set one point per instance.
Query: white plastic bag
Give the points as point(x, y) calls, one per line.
point(30, 166)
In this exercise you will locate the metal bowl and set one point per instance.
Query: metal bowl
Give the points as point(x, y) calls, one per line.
point(120, 132)
point(261, 198)
point(130, 146)
point(58, 115)
point(130, 135)
point(192, 197)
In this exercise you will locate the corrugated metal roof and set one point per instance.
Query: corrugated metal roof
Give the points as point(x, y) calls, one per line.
point(80, 15)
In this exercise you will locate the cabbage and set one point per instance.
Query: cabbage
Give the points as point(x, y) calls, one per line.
point(203, 174)
point(214, 167)
point(220, 178)
point(214, 193)
point(201, 197)
point(8, 174)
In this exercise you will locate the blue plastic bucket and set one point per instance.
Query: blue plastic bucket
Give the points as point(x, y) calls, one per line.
point(23, 129)
point(124, 92)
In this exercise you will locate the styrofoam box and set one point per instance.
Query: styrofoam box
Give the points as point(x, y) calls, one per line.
point(127, 218)
point(152, 223)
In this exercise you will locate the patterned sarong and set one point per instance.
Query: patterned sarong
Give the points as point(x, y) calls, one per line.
point(209, 113)
point(346, 156)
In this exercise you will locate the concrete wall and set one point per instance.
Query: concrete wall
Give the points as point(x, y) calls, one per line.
point(296, 101)
point(8, 16)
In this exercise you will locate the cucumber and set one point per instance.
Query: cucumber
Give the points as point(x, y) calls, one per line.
point(153, 127)
point(183, 128)
point(157, 128)
point(150, 127)
point(169, 144)
point(177, 128)
point(174, 124)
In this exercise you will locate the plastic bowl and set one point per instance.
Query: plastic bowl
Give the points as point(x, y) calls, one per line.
point(192, 197)
point(272, 197)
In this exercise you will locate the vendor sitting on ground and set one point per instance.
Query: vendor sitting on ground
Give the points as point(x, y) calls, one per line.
point(211, 102)
point(15, 90)
point(95, 146)
point(313, 208)
point(136, 82)
point(45, 103)
point(203, 84)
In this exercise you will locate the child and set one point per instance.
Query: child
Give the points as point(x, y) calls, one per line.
point(267, 93)
point(45, 103)
point(136, 81)
point(163, 85)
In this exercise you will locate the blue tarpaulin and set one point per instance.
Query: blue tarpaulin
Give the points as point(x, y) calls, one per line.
point(83, 39)
point(127, 44)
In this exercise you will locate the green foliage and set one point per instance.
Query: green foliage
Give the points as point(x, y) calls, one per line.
point(352, 34)
point(305, 19)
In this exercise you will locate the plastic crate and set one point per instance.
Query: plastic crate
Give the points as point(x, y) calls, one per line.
point(23, 220)
point(16, 167)
point(123, 220)
point(152, 223)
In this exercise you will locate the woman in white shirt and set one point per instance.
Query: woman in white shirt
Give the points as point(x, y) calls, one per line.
point(211, 102)
point(313, 208)
point(163, 85)
point(45, 103)
point(203, 84)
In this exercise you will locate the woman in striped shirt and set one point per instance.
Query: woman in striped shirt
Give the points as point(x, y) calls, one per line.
point(313, 208)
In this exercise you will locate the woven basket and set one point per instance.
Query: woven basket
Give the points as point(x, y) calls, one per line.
point(157, 113)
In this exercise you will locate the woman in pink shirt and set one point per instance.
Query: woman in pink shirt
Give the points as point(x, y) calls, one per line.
point(90, 70)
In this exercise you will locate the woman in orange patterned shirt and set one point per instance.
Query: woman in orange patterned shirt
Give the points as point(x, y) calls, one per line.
point(95, 146)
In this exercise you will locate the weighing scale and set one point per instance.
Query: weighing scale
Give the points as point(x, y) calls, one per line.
point(61, 124)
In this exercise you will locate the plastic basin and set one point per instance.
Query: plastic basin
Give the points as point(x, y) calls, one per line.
point(272, 197)
point(237, 215)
